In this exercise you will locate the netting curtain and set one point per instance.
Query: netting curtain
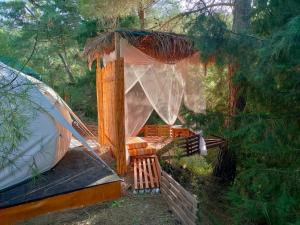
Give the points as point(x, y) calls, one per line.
point(152, 85)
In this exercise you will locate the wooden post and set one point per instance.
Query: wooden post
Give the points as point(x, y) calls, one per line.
point(119, 109)
point(117, 45)
point(99, 91)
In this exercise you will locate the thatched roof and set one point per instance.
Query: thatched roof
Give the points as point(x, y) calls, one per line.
point(165, 47)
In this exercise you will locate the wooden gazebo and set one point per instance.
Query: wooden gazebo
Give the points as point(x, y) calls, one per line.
point(164, 47)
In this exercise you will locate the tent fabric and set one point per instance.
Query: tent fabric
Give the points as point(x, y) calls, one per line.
point(137, 110)
point(193, 73)
point(163, 86)
point(152, 85)
point(49, 129)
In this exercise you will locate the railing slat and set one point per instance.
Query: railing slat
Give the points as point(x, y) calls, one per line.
point(182, 203)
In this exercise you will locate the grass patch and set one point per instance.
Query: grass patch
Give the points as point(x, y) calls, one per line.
point(196, 164)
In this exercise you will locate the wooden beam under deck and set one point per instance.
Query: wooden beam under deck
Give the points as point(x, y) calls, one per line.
point(76, 199)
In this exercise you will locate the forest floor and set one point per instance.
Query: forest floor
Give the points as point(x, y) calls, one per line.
point(148, 209)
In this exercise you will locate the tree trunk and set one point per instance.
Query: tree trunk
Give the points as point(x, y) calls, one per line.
point(232, 97)
point(141, 13)
point(241, 16)
point(70, 75)
point(241, 23)
point(225, 167)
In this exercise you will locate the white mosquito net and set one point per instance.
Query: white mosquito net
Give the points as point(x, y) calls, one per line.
point(152, 85)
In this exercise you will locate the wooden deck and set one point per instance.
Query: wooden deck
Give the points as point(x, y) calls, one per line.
point(78, 180)
point(143, 152)
point(157, 142)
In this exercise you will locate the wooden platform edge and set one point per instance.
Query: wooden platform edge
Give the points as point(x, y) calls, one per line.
point(76, 199)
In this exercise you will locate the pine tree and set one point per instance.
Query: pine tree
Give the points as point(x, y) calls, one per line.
point(264, 134)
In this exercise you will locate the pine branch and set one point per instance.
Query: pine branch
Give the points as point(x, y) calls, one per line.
point(24, 65)
point(181, 15)
point(71, 76)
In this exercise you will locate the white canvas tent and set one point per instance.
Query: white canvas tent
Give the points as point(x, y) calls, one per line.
point(48, 127)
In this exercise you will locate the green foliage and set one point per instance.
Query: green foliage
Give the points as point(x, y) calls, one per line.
point(154, 119)
point(110, 8)
point(48, 36)
point(128, 22)
point(210, 35)
point(40, 35)
point(270, 138)
point(265, 136)
point(83, 103)
point(44, 39)
point(99, 9)
point(117, 203)
point(196, 164)
point(16, 111)
point(211, 123)
point(268, 16)
point(15, 64)
point(113, 14)
point(215, 92)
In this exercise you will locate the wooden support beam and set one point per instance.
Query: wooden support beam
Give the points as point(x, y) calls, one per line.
point(99, 91)
point(117, 45)
point(111, 107)
point(75, 199)
point(120, 109)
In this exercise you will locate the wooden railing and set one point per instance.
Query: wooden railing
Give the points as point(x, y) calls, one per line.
point(184, 138)
point(157, 130)
point(165, 131)
point(190, 145)
point(183, 204)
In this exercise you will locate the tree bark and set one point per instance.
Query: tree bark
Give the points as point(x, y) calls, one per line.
point(241, 23)
point(141, 14)
point(226, 165)
point(70, 74)
point(241, 16)
point(225, 168)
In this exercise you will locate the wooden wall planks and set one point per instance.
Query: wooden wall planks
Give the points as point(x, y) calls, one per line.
point(181, 202)
point(111, 112)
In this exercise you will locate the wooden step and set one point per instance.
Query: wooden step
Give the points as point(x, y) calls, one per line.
point(141, 151)
point(147, 174)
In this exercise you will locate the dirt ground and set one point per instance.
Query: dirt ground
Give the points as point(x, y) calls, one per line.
point(141, 209)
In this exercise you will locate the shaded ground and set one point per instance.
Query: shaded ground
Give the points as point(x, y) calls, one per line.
point(148, 209)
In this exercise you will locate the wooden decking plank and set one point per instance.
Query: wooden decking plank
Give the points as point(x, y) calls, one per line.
point(158, 168)
point(135, 174)
point(155, 172)
point(140, 173)
point(150, 173)
point(145, 174)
